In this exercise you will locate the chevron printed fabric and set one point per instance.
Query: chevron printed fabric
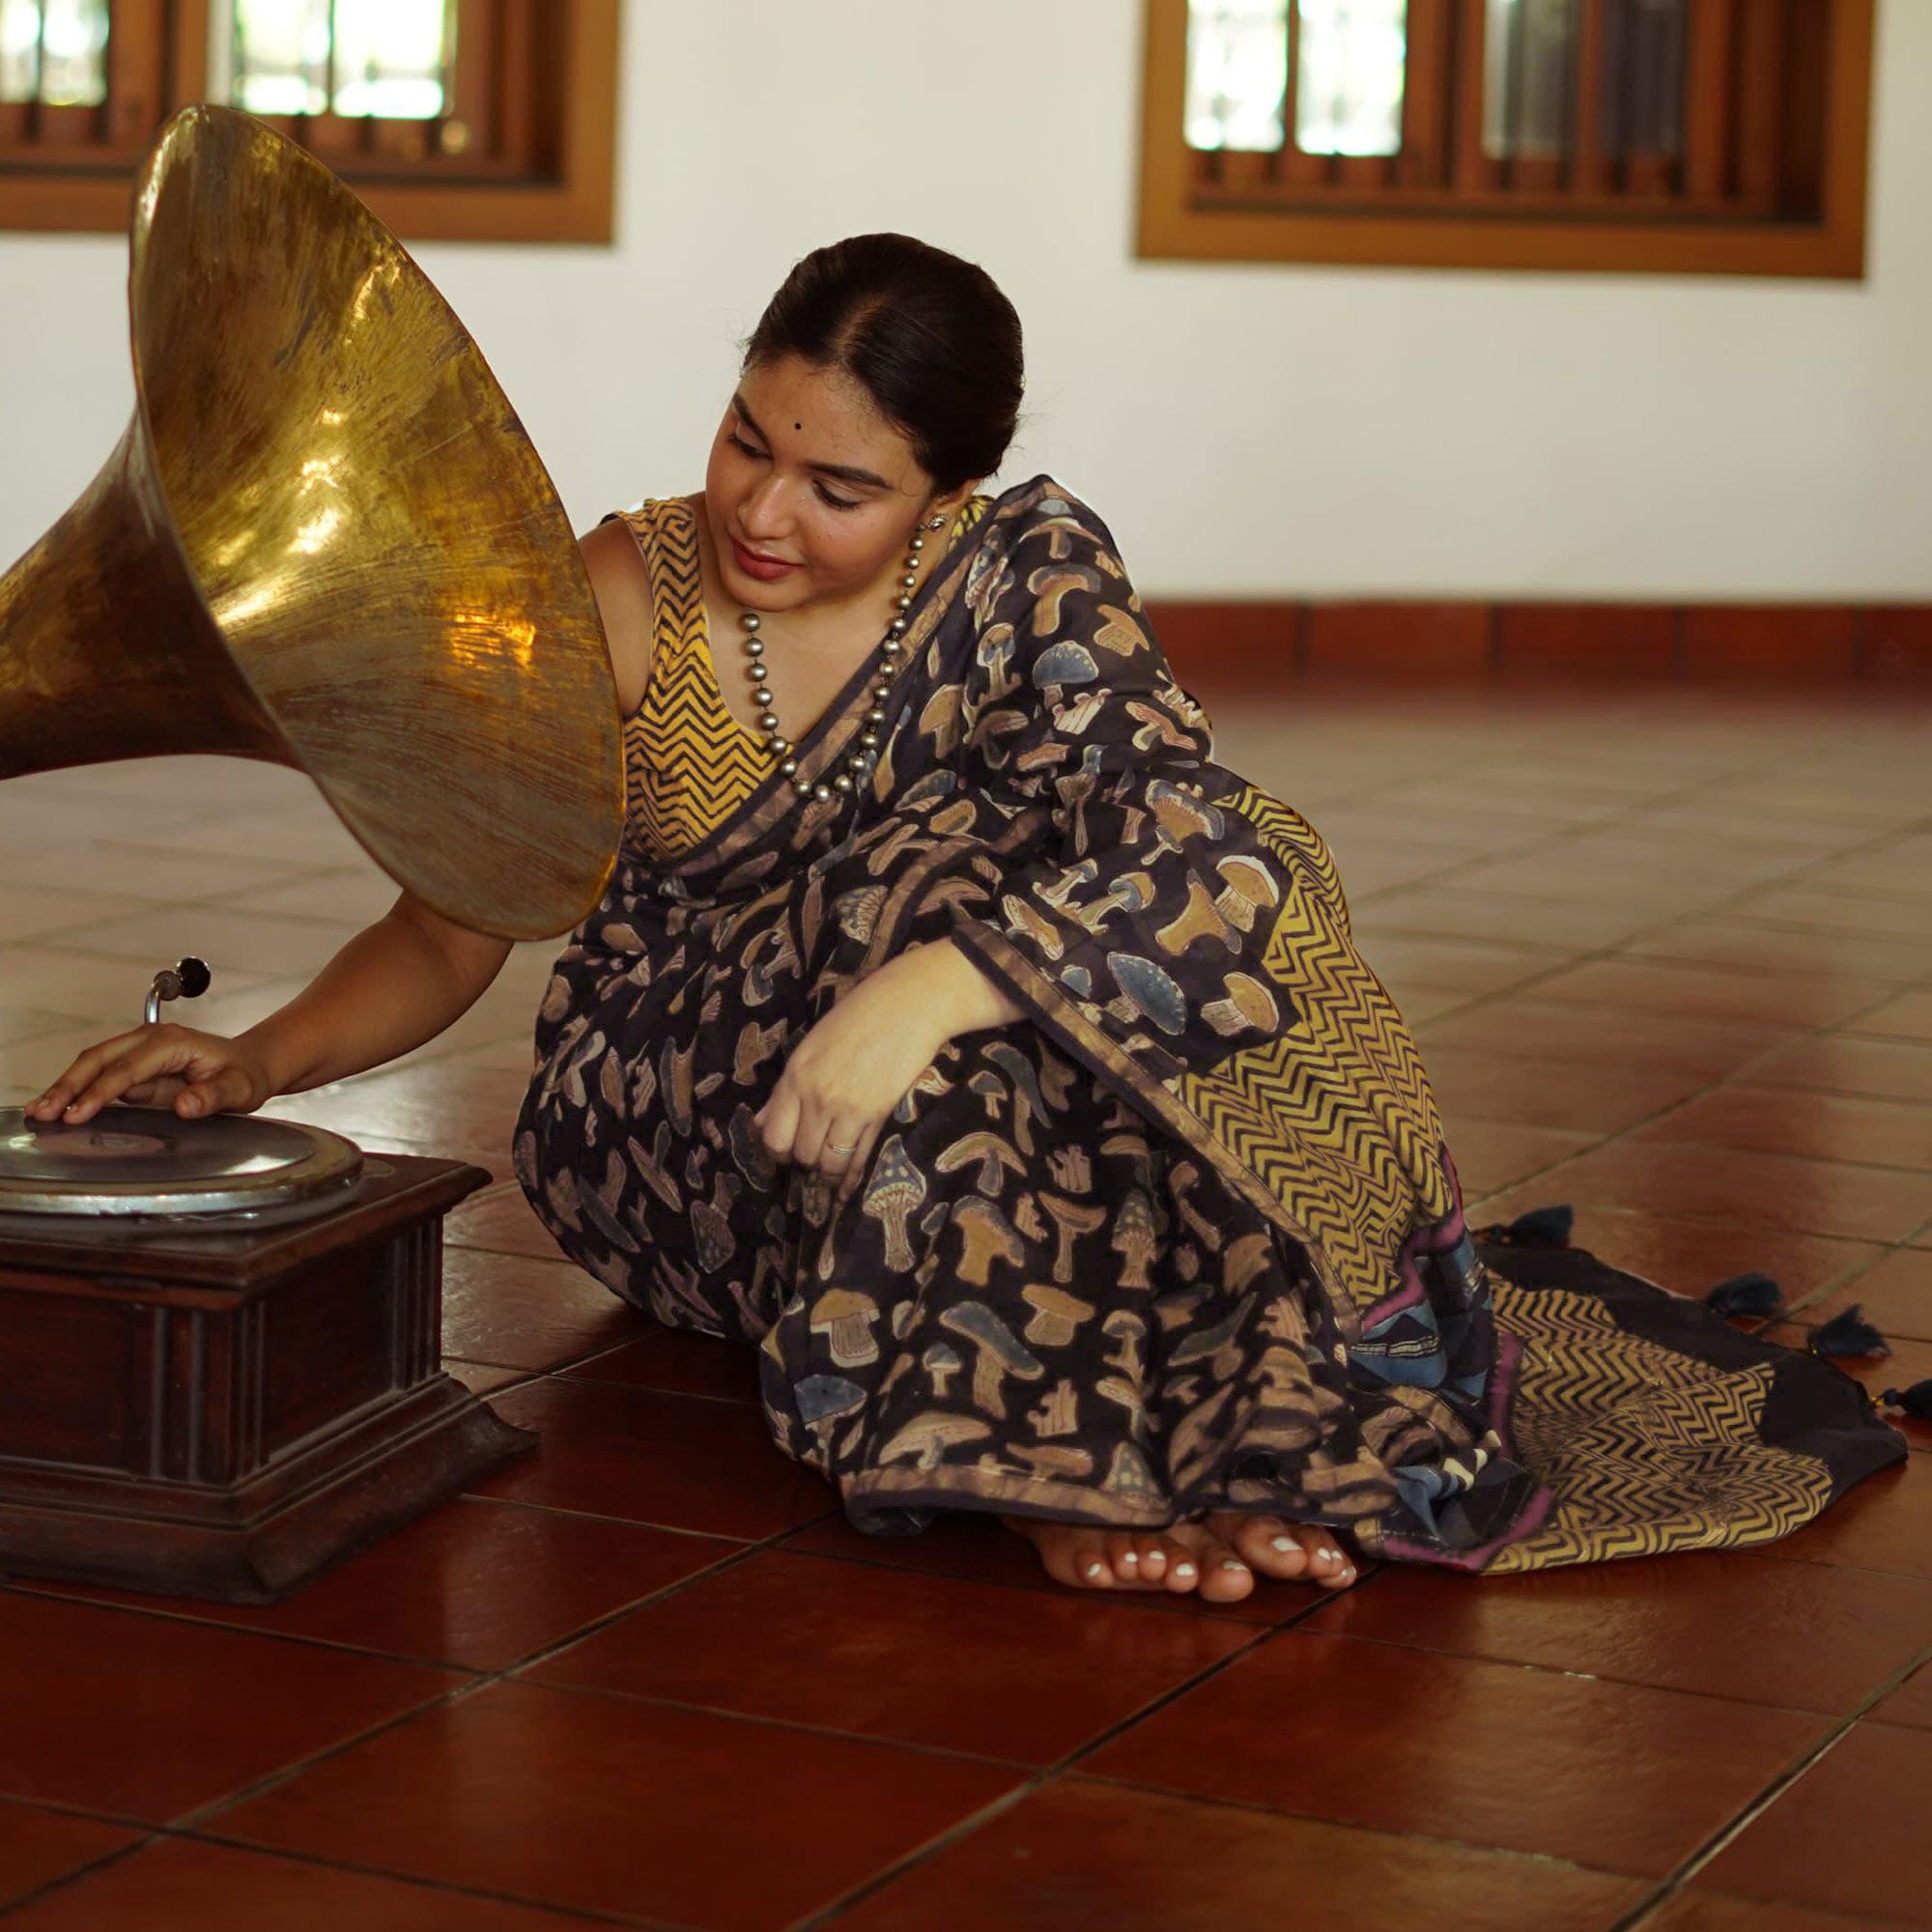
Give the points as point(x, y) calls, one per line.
point(688, 763)
point(1186, 1238)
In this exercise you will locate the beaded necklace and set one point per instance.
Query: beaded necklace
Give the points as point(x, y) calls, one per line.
point(865, 755)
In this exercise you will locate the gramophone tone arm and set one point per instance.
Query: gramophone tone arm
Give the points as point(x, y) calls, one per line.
point(188, 980)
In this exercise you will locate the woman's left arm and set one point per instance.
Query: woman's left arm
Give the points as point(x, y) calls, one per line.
point(858, 1063)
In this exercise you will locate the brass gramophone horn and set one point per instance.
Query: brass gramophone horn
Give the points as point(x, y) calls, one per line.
point(326, 541)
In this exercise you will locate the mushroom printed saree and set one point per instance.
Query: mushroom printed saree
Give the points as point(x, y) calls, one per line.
point(1188, 1238)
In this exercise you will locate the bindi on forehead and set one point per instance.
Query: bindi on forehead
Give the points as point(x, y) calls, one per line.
point(844, 420)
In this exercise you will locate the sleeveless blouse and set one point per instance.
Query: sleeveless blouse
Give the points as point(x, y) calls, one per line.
point(689, 763)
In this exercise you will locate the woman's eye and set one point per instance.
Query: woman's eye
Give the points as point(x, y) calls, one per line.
point(739, 444)
point(833, 503)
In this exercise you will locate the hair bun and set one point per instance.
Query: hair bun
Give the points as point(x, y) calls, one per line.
point(927, 335)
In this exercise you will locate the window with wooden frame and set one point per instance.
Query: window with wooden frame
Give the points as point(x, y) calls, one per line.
point(1700, 136)
point(456, 119)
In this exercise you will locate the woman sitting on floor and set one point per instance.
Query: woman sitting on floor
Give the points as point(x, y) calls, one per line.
point(957, 1034)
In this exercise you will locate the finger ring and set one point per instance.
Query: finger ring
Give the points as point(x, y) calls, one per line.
point(838, 1147)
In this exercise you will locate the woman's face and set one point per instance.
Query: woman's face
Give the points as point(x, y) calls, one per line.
point(812, 495)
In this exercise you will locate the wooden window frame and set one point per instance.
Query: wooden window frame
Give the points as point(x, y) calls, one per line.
point(572, 200)
point(1179, 223)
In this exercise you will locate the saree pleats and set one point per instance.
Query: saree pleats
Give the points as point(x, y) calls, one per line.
point(1189, 1240)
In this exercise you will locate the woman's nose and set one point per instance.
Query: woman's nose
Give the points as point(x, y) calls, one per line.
point(763, 513)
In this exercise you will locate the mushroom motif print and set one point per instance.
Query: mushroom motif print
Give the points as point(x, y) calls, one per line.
point(1182, 1239)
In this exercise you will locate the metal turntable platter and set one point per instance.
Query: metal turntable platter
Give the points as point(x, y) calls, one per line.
point(142, 1161)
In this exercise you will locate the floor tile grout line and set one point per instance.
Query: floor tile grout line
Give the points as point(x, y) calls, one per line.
point(569, 1369)
point(1256, 1809)
point(1546, 839)
point(1853, 1272)
point(1755, 1552)
point(1715, 1081)
point(1716, 908)
point(923, 1852)
point(161, 1835)
point(1626, 1133)
point(1531, 846)
point(1041, 1777)
point(1749, 1814)
point(775, 1547)
point(188, 1823)
point(165, 1834)
point(1619, 950)
point(193, 1824)
point(635, 1522)
point(185, 1610)
point(1591, 825)
point(1628, 815)
point(762, 1720)
point(183, 1823)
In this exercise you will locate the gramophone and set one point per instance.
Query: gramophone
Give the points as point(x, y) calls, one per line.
point(323, 541)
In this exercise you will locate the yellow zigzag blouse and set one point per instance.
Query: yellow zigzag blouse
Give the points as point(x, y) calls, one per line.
point(689, 764)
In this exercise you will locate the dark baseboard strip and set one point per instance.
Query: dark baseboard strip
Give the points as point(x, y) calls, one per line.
point(1262, 645)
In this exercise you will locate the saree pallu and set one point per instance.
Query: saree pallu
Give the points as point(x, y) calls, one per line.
point(1188, 1240)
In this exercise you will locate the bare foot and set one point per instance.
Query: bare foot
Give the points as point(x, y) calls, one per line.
point(1182, 1558)
point(1288, 1551)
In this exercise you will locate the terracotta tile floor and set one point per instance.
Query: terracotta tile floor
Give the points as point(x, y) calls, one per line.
point(1670, 960)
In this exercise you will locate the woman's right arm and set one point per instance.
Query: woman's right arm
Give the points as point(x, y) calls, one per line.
point(396, 984)
point(392, 988)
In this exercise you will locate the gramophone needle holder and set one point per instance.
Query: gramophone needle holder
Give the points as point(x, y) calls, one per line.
point(186, 981)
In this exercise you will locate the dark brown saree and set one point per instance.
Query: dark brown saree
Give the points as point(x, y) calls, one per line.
point(1191, 1239)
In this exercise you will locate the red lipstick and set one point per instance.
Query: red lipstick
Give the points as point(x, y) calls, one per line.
point(761, 569)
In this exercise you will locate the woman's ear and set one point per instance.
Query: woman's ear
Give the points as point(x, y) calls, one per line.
point(948, 504)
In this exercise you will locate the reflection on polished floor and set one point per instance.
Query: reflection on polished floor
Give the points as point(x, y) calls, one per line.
point(1671, 959)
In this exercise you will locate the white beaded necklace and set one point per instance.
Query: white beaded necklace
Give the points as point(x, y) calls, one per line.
point(864, 756)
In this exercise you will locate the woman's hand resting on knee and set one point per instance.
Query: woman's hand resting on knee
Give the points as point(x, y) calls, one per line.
point(851, 1069)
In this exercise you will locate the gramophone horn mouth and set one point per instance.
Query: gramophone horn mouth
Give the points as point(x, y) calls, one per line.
point(325, 539)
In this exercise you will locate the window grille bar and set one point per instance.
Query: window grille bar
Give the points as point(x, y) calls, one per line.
point(1760, 85)
point(519, 36)
point(1298, 170)
point(1591, 165)
point(1428, 96)
point(1475, 171)
point(1291, 97)
point(1709, 100)
point(137, 78)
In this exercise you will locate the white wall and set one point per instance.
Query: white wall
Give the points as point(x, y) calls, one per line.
point(1247, 431)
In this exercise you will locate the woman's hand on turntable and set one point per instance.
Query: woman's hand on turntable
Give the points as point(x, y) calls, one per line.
point(193, 1073)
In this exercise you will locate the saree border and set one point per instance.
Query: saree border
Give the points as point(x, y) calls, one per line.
point(1055, 1014)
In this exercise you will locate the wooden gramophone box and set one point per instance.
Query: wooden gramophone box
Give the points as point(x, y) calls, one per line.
point(223, 1414)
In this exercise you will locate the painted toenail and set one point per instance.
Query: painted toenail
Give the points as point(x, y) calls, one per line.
point(1184, 1569)
point(1327, 1557)
point(1284, 1544)
point(1129, 1561)
point(1096, 1569)
point(1230, 1563)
